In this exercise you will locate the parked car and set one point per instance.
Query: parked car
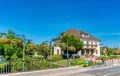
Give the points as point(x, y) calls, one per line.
point(65, 56)
point(75, 56)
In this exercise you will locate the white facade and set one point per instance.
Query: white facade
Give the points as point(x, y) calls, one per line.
point(57, 50)
point(91, 47)
point(91, 44)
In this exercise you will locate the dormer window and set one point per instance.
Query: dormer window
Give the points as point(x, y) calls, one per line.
point(85, 35)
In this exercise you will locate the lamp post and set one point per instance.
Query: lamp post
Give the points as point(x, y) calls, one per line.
point(23, 37)
point(50, 53)
point(67, 54)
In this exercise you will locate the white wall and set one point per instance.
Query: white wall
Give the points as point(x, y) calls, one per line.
point(56, 49)
point(97, 48)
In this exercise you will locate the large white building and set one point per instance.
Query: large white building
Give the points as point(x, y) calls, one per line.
point(91, 44)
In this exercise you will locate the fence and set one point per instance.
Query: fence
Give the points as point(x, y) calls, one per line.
point(17, 66)
point(105, 63)
point(30, 65)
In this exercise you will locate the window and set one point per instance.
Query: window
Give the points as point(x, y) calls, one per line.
point(85, 35)
point(57, 51)
point(96, 51)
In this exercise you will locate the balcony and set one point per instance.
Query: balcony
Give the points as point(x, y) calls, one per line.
point(89, 46)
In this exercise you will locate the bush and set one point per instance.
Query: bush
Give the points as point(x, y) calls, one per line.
point(3, 65)
point(44, 64)
point(39, 57)
point(104, 57)
point(80, 61)
point(86, 65)
point(57, 57)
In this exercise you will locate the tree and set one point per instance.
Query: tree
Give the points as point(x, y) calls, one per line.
point(2, 35)
point(1, 49)
point(8, 51)
point(44, 49)
point(110, 51)
point(30, 48)
point(10, 34)
point(11, 45)
point(71, 48)
point(73, 41)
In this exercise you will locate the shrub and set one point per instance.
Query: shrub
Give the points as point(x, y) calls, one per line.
point(104, 57)
point(86, 65)
point(86, 55)
point(110, 57)
point(44, 64)
point(57, 57)
point(39, 57)
point(3, 65)
point(80, 61)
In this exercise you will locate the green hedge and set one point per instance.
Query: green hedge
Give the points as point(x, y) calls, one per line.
point(80, 61)
point(57, 57)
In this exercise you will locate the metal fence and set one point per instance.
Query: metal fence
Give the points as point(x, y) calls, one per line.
point(17, 66)
point(31, 65)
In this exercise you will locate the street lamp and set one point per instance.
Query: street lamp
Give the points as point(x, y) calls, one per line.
point(67, 54)
point(50, 53)
point(23, 36)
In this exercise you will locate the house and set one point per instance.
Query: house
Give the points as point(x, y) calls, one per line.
point(118, 50)
point(91, 44)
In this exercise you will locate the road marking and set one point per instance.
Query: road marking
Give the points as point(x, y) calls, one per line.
point(112, 73)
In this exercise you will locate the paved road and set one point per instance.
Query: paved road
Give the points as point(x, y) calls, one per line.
point(105, 72)
point(113, 71)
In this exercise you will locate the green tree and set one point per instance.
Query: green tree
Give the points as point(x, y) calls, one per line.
point(2, 35)
point(30, 48)
point(62, 45)
point(8, 51)
point(1, 49)
point(10, 34)
point(44, 49)
point(72, 41)
point(110, 51)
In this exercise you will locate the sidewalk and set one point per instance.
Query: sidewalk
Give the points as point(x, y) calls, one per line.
point(49, 72)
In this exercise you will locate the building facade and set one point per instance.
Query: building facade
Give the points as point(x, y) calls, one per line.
point(91, 44)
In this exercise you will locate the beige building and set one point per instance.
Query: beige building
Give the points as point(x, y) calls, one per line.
point(91, 44)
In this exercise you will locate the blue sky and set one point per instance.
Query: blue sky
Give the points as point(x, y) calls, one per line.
point(41, 20)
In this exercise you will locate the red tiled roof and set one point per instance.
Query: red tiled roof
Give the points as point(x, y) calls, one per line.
point(78, 33)
point(118, 50)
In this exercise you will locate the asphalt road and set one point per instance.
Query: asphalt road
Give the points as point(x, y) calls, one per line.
point(113, 71)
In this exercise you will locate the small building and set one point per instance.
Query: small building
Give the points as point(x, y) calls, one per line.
point(91, 44)
point(118, 50)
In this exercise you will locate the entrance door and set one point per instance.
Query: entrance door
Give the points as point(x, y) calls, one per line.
point(82, 52)
point(87, 51)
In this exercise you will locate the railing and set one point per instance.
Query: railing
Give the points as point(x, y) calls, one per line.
point(106, 63)
point(16, 66)
point(31, 65)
